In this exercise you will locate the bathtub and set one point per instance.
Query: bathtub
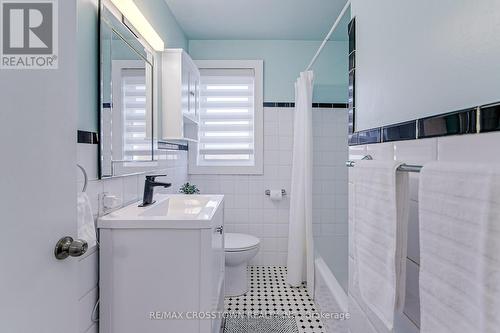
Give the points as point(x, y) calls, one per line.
point(329, 296)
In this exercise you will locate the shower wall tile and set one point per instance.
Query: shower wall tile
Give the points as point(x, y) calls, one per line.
point(477, 148)
point(357, 152)
point(382, 151)
point(415, 152)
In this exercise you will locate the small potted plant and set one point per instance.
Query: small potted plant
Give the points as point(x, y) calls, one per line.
point(189, 189)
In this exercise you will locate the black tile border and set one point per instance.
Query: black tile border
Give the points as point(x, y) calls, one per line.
point(352, 139)
point(87, 137)
point(279, 104)
point(330, 105)
point(489, 119)
point(369, 136)
point(400, 132)
point(365, 137)
point(453, 123)
point(314, 105)
point(479, 119)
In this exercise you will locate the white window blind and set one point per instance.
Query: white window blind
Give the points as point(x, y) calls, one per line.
point(226, 135)
point(136, 146)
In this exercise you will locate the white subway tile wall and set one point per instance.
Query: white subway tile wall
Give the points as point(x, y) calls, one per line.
point(478, 148)
point(127, 189)
point(249, 210)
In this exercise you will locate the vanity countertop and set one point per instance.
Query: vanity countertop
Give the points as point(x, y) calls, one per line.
point(169, 211)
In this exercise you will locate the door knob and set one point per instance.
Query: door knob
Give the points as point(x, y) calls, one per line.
point(66, 247)
point(219, 230)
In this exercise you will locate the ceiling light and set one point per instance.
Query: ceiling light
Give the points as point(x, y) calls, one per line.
point(132, 13)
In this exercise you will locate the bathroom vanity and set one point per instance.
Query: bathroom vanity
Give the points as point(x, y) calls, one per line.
point(162, 266)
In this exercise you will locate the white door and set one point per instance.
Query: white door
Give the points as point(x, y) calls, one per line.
point(38, 111)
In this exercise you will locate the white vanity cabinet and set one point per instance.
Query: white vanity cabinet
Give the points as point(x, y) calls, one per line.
point(163, 261)
point(180, 96)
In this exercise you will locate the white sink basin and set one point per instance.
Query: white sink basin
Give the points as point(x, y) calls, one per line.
point(169, 211)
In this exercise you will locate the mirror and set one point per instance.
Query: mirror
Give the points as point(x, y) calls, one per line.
point(126, 99)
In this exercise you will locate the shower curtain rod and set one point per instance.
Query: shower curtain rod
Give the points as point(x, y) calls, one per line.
point(334, 26)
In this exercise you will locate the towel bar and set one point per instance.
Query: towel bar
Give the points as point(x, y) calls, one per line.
point(402, 167)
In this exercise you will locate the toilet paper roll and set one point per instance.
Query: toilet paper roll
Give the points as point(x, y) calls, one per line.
point(276, 195)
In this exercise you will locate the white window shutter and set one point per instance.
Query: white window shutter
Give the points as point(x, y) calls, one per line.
point(226, 134)
point(136, 146)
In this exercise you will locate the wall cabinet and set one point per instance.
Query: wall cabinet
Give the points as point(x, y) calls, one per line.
point(180, 96)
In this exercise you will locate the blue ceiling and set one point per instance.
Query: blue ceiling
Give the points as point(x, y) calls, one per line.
point(259, 19)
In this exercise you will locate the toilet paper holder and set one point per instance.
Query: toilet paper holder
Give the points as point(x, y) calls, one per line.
point(268, 192)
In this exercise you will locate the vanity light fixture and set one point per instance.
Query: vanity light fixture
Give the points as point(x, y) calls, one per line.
point(132, 13)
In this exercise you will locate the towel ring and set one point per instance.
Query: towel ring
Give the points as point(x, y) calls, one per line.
point(85, 178)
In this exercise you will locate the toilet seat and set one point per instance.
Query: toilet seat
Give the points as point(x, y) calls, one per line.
point(234, 242)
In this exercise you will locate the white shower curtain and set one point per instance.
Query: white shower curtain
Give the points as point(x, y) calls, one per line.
point(300, 238)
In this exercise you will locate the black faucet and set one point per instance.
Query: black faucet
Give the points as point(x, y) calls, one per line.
point(149, 186)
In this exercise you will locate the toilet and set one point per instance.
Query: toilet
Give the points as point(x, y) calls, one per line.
point(239, 250)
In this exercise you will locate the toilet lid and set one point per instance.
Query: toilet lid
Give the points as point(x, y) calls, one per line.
point(239, 242)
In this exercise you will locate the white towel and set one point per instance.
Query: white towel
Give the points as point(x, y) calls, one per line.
point(380, 233)
point(459, 209)
point(86, 225)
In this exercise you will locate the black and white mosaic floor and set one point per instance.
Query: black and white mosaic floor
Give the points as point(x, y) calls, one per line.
point(269, 294)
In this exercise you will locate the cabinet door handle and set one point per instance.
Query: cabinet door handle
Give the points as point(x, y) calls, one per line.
point(219, 230)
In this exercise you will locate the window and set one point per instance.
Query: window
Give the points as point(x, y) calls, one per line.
point(226, 117)
point(230, 129)
point(136, 146)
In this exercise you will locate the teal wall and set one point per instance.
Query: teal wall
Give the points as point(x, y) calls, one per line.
point(283, 61)
point(416, 59)
point(158, 14)
point(88, 64)
point(164, 22)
